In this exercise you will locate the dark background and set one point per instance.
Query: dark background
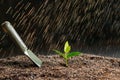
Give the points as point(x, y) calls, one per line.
point(90, 26)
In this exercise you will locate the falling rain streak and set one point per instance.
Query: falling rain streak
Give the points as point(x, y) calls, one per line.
point(49, 24)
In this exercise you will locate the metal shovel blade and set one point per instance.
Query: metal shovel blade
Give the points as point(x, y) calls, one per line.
point(8, 28)
point(33, 57)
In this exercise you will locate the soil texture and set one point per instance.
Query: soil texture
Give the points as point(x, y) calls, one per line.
point(84, 67)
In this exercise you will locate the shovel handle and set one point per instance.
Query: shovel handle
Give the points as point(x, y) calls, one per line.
point(8, 28)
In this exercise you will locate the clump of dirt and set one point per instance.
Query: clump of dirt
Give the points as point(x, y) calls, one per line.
point(84, 67)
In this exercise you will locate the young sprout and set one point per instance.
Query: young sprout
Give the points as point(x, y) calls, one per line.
point(67, 54)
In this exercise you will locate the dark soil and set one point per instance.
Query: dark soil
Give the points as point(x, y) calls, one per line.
point(84, 67)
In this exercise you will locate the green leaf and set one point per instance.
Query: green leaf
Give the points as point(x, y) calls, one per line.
point(58, 52)
point(73, 54)
point(67, 47)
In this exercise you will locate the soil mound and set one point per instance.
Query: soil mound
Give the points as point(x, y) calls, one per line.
point(84, 67)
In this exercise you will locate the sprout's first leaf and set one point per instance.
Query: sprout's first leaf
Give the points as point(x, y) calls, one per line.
point(67, 47)
point(73, 54)
point(58, 52)
point(67, 54)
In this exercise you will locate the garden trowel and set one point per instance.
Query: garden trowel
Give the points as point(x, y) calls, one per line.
point(8, 28)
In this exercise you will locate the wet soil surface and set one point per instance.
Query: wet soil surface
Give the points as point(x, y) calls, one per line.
point(84, 67)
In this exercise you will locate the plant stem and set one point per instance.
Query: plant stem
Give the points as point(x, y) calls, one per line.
point(66, 59)
point(66, 62)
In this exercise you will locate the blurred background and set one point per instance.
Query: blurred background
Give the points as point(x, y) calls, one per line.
point(90, 26)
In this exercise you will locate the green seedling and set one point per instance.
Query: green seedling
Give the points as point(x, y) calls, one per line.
point(67, 54)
